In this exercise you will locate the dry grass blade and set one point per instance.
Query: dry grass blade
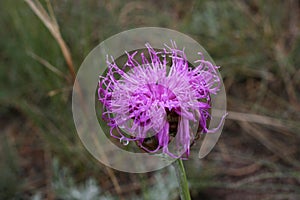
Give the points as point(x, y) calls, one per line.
point(51, 12)
point(242, 171)
point(280, 56)
point(260, 119)
point(57, 91)
point(52, 26)
point(47, 65)
point(260, 177)
point(275, 146)
point(284, 46)
point(285, 126)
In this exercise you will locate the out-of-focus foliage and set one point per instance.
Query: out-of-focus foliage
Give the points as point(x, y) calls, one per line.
point(65, 187)
point(256, 43)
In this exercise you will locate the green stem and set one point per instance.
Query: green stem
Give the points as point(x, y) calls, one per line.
point(182, 181)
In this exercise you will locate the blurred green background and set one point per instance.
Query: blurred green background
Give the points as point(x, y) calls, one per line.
point(257, 45)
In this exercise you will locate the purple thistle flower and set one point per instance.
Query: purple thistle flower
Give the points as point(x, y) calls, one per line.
point(154, 101)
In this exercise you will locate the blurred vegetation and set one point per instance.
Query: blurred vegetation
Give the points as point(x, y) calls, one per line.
point(257, 45)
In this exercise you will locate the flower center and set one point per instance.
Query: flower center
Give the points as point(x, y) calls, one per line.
point(150, 99)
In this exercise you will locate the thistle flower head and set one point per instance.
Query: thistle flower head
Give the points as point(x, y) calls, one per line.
point(154, 100)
